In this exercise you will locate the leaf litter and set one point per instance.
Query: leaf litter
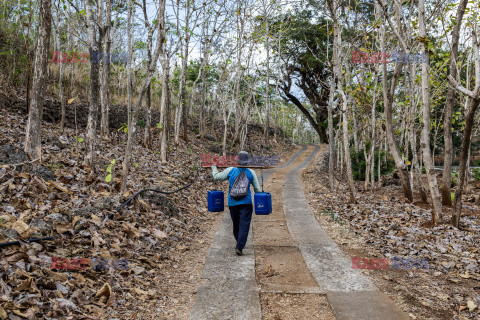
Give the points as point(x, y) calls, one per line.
point(144, 263)
point(383, 225)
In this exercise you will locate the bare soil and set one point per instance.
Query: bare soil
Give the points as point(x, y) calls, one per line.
point(284, 306)
point(280, 268)
point(285, 280)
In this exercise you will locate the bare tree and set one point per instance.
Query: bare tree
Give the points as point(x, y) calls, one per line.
point(143, 90)
point(473, 102)
point(106, 63)
point(425, 135)
point(93, 43)
point(388, 96)
point(450, 101)
point(333, 7)
point(33, 139)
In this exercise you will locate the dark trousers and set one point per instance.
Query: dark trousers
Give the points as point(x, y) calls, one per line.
point(241, 217)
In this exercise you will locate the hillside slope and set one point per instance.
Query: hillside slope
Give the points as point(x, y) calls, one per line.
point(154, 235)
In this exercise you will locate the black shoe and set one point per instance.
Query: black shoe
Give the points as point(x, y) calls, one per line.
point(239, 252)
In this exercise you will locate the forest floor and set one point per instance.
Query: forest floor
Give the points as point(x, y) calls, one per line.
point(438, 276)
point(147, 261)
point(142, 264)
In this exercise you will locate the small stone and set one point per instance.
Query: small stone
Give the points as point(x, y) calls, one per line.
point(84, 212)
point(55, 217)
point(44, 172)
point(12, 154)
point(209, 137)
point(37, 246)
point(41, 225)
point(9, 233)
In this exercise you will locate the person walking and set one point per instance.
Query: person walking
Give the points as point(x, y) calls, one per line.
point(239, 202)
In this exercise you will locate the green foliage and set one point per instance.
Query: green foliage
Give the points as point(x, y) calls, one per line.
point(454, 179)
point(333, 216)
point(54, 167)
point(304, 37)
point(13, 54)
point(359, 164)
point(476, 163)
point(476, 174)
point(108, 178)
point(123, 127)
point(141, 123)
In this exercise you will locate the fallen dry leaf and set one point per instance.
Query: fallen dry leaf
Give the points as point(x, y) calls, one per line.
point(21, 227)
point(471, 305)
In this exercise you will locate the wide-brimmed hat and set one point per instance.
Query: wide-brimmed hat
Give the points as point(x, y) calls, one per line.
point(243, 158)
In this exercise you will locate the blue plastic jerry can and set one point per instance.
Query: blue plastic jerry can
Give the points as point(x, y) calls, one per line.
point(215, 201)
point(263, 203)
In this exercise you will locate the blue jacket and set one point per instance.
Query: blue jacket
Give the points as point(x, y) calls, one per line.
point(231, 174)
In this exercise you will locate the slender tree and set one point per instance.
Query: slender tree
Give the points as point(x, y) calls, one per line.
point(94, 44)
point(425, 135)
point(33, 140)
point(449, 103)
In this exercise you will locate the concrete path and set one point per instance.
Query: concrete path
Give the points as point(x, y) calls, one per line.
point(350, 293)
point(228, 289)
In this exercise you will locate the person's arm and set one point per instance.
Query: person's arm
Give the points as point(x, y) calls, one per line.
point(220, 176)
point(256, 185)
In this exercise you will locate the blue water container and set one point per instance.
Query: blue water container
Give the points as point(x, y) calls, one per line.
point(263, 203)
point(215, 201)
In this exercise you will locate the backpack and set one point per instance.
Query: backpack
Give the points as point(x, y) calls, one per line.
point(240, 186)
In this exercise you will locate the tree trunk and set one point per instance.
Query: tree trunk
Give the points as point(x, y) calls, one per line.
point(367, 158)
point(331, 134)
point(267, 111)
point(33, 138)
point(467, 135)
point(145, 85)
point(387, 100)
point(346, 139)
point(94, 84)
point(425, 135)
point(128, 151)
point(106, 61)
point(450, 102)
point(202, 124)
point(165, 111)
point(183, 93)
point(416, 168)
point(60, 80)
point(238, 118)
point(148, 117)
point(346, 146)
